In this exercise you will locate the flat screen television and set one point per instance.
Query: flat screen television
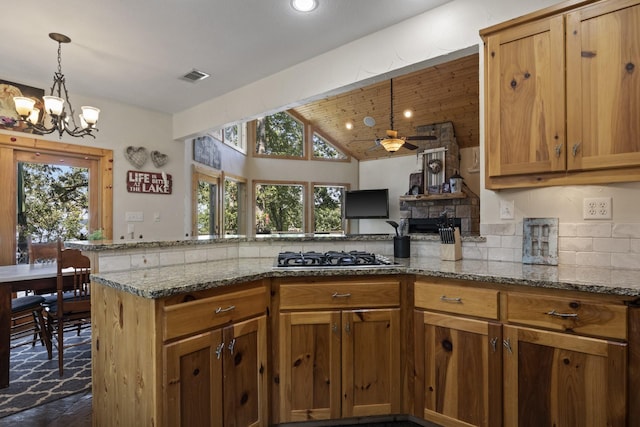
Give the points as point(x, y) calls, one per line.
point(362, 204)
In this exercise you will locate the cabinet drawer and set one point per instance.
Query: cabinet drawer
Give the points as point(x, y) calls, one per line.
point(202, 314)
point(457, 299)
point(568, 314)
point(340, 295)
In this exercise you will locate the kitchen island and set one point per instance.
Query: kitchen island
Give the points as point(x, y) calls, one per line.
point(158, 356)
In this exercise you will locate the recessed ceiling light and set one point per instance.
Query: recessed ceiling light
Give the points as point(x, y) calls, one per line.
point(304, 5)
point(408, 113)
point(349, 125)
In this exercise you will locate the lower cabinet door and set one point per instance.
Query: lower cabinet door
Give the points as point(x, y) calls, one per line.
point(562, 380)
point(371, 362)
point(310, 365)
point(193, 381)
point(458, 370)
point(244, 368)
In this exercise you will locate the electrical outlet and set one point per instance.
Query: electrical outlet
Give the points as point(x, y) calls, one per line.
point(596, 208)
point(134, 216)
point(507, 209)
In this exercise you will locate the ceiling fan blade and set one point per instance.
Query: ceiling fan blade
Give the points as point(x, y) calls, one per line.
point(420, 138)
point(376, 146)
point(409, 146)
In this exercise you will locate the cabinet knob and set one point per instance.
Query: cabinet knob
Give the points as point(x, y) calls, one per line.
point(232, 344)
point(507, 344)
point(219, 350)
point(558, 150)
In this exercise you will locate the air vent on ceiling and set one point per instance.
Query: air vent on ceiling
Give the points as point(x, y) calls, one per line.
point(195, 76)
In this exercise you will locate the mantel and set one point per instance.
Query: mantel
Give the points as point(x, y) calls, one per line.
point(441, 196)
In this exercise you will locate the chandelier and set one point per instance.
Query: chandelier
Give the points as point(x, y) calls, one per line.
point(392, 143)
point(55, 117)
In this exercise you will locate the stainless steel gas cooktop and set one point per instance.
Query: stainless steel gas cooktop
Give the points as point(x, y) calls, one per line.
point(331, 259)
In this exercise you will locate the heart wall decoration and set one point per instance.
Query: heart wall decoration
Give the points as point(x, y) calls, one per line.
point(159, 159)
point(137, 156)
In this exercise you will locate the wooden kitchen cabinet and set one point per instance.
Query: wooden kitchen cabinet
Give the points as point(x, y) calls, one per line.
point(458, 372)
point(217, 378)
point(563, 96)
point(525, 130)
point(603, 86)
point(339, 350)
point(192, 359)
point(563, 380)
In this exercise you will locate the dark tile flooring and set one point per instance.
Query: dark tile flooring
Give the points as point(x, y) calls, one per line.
point(72, 411)
point(75, 411)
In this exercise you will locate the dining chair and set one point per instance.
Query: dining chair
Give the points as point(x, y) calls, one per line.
point(27, 322)
point(72, 308)
point(42, 252)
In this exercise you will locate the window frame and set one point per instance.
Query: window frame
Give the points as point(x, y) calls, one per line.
point(315, 131)
point(251, 134)
point(311, 205)
point(242, 216)
point(211, 176)
point(100, 184)
point(305, 198)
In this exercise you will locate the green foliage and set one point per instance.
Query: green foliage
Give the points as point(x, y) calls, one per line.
point(231, 135)
point(280, 134)
point(323, 149)
point(204, 208)
point(327, 203)
point(56, 202)
point(231, 207)
point(279, 208)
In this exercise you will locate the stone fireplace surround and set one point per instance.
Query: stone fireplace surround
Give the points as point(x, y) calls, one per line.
point(468, 208)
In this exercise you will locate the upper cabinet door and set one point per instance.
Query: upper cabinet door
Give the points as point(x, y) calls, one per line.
point(603, 86)
point(525, 99)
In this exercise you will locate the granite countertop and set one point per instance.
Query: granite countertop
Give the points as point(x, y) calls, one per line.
point(108, 245)
point(165, 281)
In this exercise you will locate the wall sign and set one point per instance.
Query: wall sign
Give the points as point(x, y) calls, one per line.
point(149, 182)
point(206, 151)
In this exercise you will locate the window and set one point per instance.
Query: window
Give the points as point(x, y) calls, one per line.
point(327, 208)
point(235, 197)
point(280, 134)
point(205, 205)
point(236, 136)
point(279, 208)
point(322, 149)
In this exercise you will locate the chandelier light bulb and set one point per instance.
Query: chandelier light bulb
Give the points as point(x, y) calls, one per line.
point(90, 114)
point(53, 105)
point(24, 105)
point(34, 116)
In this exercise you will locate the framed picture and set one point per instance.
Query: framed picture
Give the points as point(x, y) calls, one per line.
point(8, 115)
point(207, 152)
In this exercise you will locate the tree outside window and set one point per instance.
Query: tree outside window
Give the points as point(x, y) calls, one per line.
point(327, 204)
point(279, 135)
point(234, 210)
point(279, 208)
point(324, 150)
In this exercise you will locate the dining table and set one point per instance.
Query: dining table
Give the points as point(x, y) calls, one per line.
point(39, 278)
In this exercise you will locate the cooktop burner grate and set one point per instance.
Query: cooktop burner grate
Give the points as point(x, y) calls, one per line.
point(330, 259)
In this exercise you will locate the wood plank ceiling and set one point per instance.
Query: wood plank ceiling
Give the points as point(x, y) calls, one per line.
point(446, 92)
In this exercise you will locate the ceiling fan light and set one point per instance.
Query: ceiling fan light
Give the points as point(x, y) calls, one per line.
point(392, 144)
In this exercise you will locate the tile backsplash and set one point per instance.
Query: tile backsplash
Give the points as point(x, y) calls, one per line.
point(601, 244)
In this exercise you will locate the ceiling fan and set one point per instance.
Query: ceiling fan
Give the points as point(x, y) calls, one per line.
point(391, 142)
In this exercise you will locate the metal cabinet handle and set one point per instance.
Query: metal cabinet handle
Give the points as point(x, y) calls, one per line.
point(563, 315)
point(457, 300)
point(347, 328)
point(558, 150)
point(232, 344)
point(494, 343)
point(575, 148)
point(219, 350)
point(507, 344)
point(337, 295)
point(334, 328)
point(224, 310)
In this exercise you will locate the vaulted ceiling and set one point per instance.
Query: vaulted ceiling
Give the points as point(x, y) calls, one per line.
point(442, 93)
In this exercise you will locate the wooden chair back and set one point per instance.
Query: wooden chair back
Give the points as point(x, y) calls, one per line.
point(81, 301)
point(42, 252)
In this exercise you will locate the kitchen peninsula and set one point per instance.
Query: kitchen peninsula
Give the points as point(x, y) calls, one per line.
point(221, 335)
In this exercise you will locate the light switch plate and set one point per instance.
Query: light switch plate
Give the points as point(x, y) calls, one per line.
point(507, 209)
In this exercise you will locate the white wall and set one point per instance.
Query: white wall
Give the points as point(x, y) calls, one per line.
point(120, 126)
